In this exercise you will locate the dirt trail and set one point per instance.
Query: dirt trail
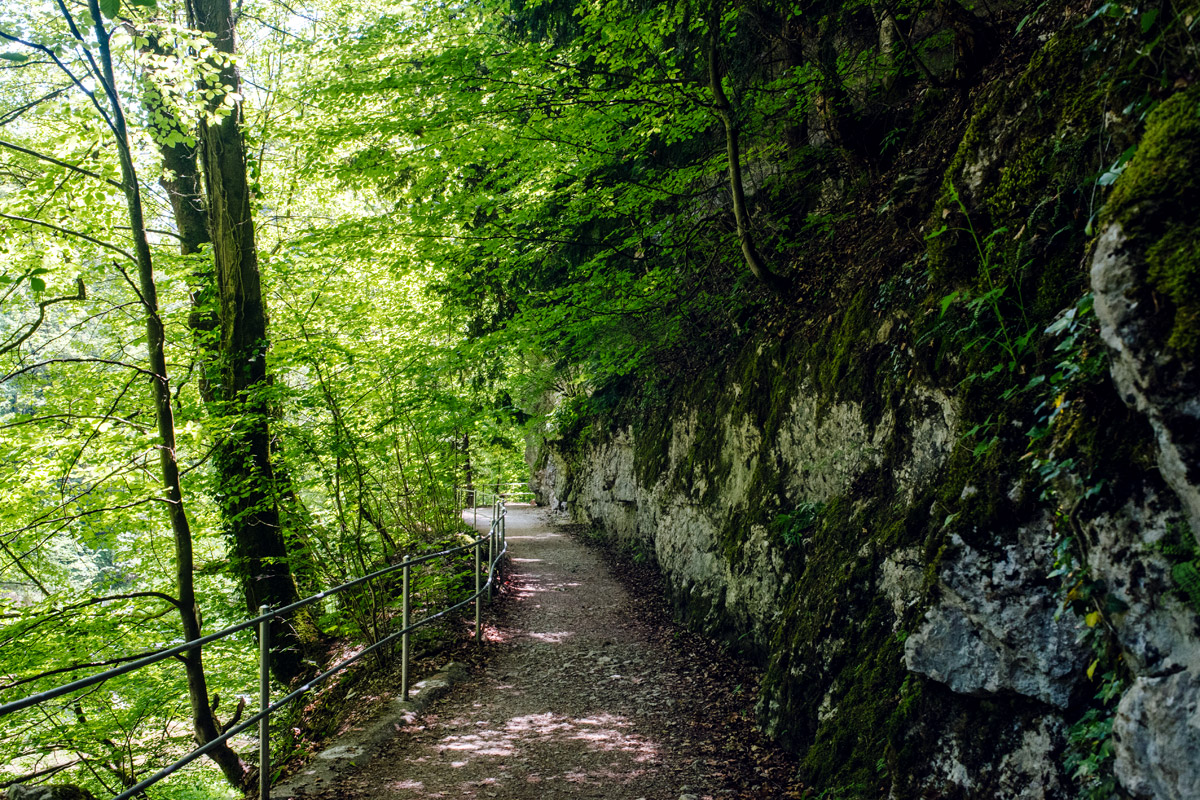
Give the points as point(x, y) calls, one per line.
point(577, 698)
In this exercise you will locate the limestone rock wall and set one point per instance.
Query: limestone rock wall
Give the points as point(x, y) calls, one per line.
point(981, 626)
point(945, 604)
point(964, 577)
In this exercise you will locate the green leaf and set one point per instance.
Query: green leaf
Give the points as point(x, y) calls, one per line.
point(151, 4)
point(1114, 172)
point(19, 58)
point(946, 301)
point(37, 284)
point(1148, 18)
point(110, 8)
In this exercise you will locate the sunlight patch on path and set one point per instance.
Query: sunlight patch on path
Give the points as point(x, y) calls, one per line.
point(584, 747)
point(570, 704)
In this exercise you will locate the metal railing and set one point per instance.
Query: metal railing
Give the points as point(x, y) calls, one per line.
point(466, 496)
point(497, 545)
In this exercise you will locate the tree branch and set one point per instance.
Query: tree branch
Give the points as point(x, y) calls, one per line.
point(724, 110)
point(80, 294)
point(56, 417)
point(69, 232)
point(108, 361)
point(56, 161)
point(16, 112)
point(21, 566)
point(41, 48)
point(42, 773)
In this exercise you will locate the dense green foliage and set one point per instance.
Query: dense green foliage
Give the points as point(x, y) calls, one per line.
point(476, 216)
point(378, 407)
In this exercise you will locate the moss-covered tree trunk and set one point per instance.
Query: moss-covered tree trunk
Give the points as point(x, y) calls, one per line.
point(204, 723)
point(248, 489)
point(185, 192)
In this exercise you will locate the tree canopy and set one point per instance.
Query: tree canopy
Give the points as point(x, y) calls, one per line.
point(277, 277)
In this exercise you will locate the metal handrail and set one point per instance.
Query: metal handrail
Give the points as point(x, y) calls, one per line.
point(497, 541)
point(476, 493)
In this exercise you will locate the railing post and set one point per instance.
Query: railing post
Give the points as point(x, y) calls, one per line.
point(405, 609)
point(491, 570)
point(478, 594)
point(264, 699)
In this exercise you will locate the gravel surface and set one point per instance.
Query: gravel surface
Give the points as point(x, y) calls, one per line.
point(581, 693)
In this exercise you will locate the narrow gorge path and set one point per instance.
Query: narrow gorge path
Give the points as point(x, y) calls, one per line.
point(580, 695)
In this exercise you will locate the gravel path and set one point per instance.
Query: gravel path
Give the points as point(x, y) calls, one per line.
point(577, 697)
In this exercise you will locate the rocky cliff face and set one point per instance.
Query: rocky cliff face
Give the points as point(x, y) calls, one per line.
point(989, 669)
point(963, 582)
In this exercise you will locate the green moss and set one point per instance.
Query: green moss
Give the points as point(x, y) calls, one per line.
point(851, 749)
point(757, 388)
point(1157, 204)
point(1046, 125)
point(652, 442)
point(1175, 272)
point(846, 363)
point(1162, 175)
point(1021, 177)
point(836, 663)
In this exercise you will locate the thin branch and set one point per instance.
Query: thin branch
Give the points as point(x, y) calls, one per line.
point(237, 714)
point(80, 294)
point(42, 773)
point(148, 230)
point(110, 89)
point(111, 662)
point(54, 160)
point(108, 361)
point(59, 612)
point(16, 112)
point(83, 323)
point(70, 22)
point(24, 570)
point(95, 431)
point(41, 48)
point(69, 232)
point(56, 417)
point(203, 460)
point(46, 517)
point(137, 291)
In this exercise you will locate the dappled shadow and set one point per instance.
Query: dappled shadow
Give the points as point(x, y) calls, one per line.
point(569, 705)
point(592, 751)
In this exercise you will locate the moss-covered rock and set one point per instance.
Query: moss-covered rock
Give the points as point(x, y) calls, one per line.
point(813, 495)
point(1156, 203)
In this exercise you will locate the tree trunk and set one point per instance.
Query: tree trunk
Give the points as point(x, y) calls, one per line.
point(204, 723)
point(758, 267)
point(181, 181)
point(249, 493)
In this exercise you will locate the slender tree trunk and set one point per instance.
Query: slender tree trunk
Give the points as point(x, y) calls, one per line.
point(249, 492)
point(204, 723)
point(754, 260)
